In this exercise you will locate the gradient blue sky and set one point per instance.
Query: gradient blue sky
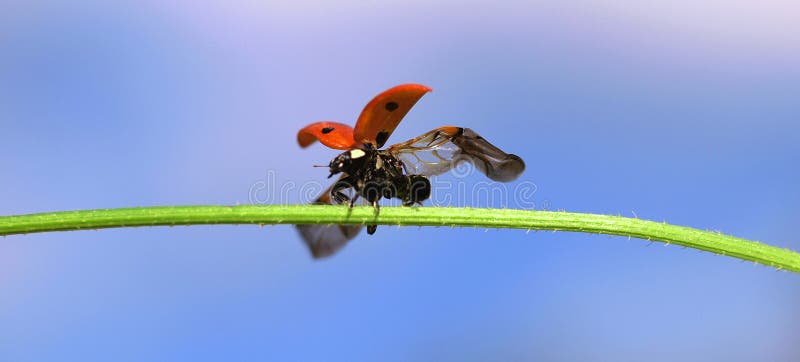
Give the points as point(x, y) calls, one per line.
point(674, 111)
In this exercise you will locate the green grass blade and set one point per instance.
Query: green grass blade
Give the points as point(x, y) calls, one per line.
point(409, 216)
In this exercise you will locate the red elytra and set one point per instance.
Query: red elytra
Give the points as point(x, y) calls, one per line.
point(376, 123)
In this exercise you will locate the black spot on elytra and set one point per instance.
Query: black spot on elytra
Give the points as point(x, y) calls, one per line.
point(391, 106)
point(327, 130)
point(381, 138)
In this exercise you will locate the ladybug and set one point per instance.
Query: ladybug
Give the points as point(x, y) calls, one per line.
point(401, 170)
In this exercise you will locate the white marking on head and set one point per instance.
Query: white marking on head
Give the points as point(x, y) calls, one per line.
point(356, 153)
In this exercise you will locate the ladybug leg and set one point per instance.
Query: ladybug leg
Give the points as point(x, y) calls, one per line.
point(340, 197)
point(372, 228)
point(353, 201)
point(336, 192)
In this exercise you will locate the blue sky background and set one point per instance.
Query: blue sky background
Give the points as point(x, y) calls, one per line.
point(673, 111)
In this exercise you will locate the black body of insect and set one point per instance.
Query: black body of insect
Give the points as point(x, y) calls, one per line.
point(375, 174)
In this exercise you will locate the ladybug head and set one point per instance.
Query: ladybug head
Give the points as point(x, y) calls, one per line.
point(348, 162)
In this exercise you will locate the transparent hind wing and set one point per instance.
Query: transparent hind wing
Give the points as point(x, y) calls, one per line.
point(442, 149)
point(325, 240)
